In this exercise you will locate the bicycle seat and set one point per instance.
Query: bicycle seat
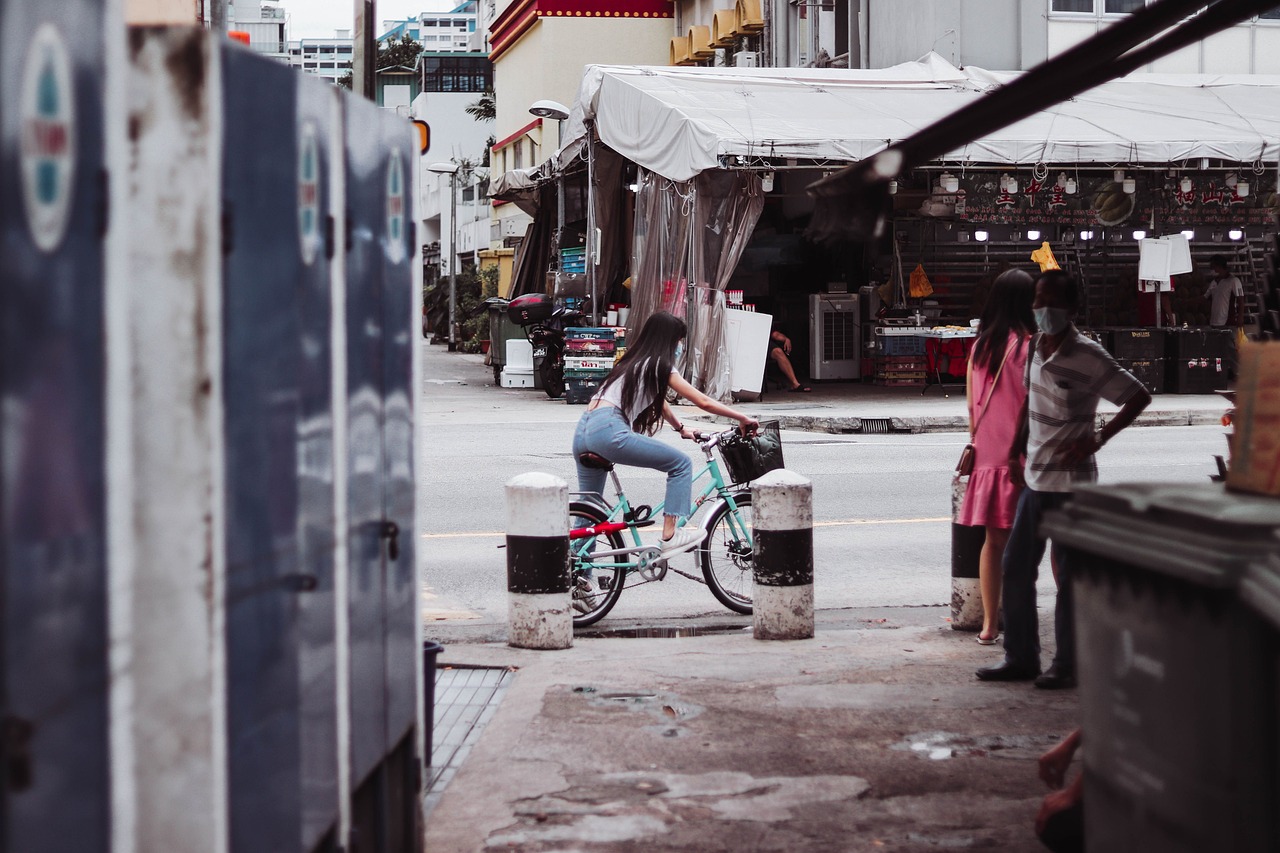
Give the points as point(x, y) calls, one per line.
point(595, 460)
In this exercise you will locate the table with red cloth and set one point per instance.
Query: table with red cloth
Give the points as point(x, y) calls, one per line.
point(946, 351)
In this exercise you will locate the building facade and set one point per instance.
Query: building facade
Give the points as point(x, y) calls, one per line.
point(539, 49)
point(1004, 35)
point(324, 57)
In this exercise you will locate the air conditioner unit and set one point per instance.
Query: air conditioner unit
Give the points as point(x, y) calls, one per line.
point(833, 336)
point(746, 59)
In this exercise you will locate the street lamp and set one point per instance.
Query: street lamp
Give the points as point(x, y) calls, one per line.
point(559, 112)
point(451, 169)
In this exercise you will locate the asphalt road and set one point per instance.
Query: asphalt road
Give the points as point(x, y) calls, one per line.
point(881, 503)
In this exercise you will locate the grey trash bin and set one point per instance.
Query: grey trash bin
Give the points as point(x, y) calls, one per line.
point(1177, 691)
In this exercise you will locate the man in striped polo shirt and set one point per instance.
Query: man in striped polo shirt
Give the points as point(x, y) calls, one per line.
point(1066, 377)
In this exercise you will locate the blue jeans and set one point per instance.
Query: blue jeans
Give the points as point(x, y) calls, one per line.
point(605, 431)
point(1020, 569)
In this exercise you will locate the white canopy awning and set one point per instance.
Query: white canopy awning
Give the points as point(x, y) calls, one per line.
point(678, 122)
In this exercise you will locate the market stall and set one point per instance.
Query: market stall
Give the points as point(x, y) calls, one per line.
point(708, 145)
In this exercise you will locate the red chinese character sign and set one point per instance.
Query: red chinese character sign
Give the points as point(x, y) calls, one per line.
point(1098, 199)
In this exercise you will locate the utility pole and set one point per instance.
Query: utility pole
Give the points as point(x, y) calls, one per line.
point(365, 55)
point(218, 15)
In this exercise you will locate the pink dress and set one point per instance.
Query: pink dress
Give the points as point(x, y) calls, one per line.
point(991, 499)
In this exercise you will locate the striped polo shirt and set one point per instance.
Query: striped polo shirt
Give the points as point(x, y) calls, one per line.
point(1062, 403)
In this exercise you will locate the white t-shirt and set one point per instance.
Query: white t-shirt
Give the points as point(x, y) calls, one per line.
point(612, 394)
point(1220, 291)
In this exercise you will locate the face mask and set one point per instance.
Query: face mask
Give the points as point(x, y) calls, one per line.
point(1052, 321)
point(679, 351)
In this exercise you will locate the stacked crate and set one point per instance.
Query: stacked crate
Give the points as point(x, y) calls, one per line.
point(1198, 360)
point(1141, 352)
point(899, 361)
point(574, 261)
point(588, 357)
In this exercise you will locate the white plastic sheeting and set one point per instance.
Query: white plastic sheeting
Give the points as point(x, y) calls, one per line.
point(679, 122)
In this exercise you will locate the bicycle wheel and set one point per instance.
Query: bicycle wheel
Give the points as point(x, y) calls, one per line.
point(596, 582)
point(726, 555)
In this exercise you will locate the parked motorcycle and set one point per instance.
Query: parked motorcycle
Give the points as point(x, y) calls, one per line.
point(544, 326)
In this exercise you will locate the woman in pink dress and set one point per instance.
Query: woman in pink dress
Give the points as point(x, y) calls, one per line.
point(995, 394)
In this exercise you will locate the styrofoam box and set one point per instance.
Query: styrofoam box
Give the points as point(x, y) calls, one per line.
point(516, 379)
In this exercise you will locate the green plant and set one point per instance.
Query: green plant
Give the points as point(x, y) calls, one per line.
point(472, 289)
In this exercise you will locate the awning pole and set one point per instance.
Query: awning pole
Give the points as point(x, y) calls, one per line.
point(592, 243)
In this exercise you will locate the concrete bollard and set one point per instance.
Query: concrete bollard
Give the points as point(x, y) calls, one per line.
point(782, 509)
point(539, 614)
point(966, 550)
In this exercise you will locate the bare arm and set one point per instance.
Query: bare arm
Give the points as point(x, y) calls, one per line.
point(968, 394)
point(1019, 447)
point(702, 401)
point(1087, 445)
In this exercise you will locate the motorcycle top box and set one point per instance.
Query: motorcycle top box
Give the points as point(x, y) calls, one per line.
point(530, 308)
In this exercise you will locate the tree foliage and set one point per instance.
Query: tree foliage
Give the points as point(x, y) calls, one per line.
point(485, 109)
point(404, 52)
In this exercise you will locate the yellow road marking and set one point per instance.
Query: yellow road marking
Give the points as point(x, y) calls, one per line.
point(849, 522)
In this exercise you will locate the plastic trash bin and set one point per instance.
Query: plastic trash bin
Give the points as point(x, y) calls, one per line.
point(501, 330)
point(1177, 691)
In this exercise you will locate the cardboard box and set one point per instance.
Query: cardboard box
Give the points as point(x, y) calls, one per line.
point(1255, 440)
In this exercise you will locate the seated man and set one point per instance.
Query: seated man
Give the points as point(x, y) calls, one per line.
point(780, 355)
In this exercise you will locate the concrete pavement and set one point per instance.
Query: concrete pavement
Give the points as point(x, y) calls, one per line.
point(873, 735)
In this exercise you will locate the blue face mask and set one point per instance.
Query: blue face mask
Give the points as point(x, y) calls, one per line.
point(679, 351)
point(1052, 321)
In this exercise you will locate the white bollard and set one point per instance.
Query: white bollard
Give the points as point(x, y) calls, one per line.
point(782, 518)
point(539, 612)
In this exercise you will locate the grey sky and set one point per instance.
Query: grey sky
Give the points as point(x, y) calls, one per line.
point(319, 18)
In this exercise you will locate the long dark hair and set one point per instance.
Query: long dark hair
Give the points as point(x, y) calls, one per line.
point(1008, 309)
point(647, 365)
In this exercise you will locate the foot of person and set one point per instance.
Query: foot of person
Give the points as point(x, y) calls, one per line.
point(1008, 671)
point(1056, 678)
point(684, 539)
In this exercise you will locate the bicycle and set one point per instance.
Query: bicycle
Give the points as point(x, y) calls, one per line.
point(604, 563)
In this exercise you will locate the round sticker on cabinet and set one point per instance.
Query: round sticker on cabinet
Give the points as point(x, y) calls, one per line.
point(47, 104)
point(308, 193)
point(395, 210)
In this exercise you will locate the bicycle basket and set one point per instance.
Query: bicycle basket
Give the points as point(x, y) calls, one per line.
point(746, 459)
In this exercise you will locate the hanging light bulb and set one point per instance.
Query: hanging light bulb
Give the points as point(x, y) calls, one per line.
point(1033, 235)
point(1062, 180)
point(1070, 186)
point(1139, 235)
point(1185, 185)
point(1129, 185)
point(1004, 182)
point(950, 183)
point(980, 236)
point(1012, 186)
point(1117, 175)
point(893, 188)
point(1242, 189)
point(1235, 233)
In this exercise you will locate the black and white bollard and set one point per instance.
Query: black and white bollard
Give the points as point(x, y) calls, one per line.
point(966, 552)
point(539, 612)
point(782, 508)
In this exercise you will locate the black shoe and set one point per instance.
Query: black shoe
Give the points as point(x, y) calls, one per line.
point(1007, 672)
point(1056, 678)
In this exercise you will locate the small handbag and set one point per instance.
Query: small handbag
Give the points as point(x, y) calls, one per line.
point(965, 466)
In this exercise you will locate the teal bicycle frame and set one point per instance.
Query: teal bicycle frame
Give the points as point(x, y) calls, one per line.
point(606, 559)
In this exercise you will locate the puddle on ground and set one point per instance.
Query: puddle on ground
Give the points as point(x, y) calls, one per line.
point(667, 708)
point(939, 746)
point(660, 632)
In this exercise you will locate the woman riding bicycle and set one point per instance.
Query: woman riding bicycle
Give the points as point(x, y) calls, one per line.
point(627, 411)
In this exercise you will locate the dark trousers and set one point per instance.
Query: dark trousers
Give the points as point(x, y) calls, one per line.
point(1020, 569)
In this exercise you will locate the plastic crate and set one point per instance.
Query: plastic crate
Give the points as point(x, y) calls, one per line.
point(1150, 372)
point(578, 391)
point(899, 345)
